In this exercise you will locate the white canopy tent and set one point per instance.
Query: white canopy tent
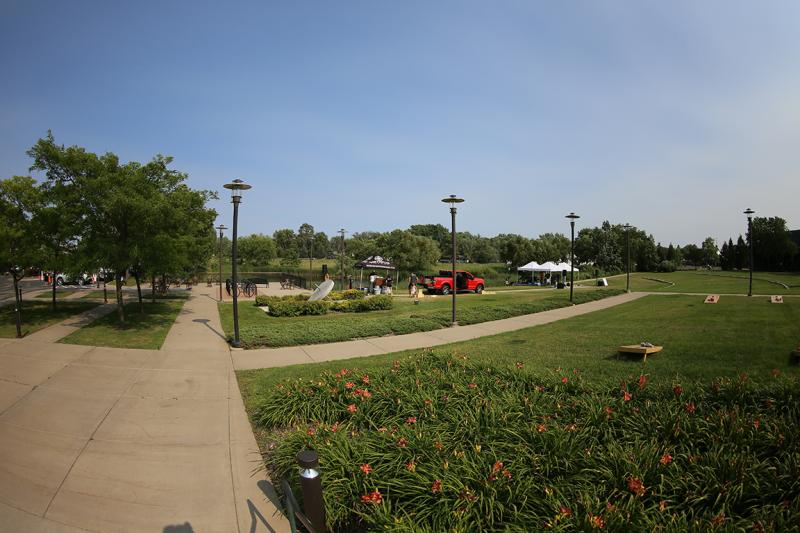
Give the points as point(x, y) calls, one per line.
point(530, 267)
point(565, 266)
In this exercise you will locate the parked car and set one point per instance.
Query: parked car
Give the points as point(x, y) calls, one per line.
point(443, 283)
point(67, 279)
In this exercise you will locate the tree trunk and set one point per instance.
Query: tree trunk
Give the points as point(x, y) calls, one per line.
point(153, 288)
point(54, 290)
point(120, 308)
point(18, 299)
point(139, 290)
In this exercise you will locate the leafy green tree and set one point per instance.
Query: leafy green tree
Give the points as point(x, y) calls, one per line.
point(710, 252)
point(515, 249)
point(742, 254)
point(485, 252)
point(286, 243)
point(20, 199)
point(321, 244)
point(437, 232)
point(256, 249)
point(408, 251)
point(773, 249)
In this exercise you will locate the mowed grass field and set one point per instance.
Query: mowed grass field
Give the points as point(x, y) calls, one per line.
point(144, 330)
point(38, 315)
point(701, 341)
point(709, 282)
point(258, 329)
point(544, 428)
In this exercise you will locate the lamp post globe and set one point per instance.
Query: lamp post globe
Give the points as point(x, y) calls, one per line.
point(237, 187)
point(453, 200)
point(572, 217)
point(749, 212)
point(221, 228)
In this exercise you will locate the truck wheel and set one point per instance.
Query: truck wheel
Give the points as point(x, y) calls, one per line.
point(479, 289)
point(445, 289)
point(59, 281)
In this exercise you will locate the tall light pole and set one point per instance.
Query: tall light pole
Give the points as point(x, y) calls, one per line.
point(749, 212)
point(452, 200)
point(236, 187)
point(341, 255)
point(628, 247)
point(221, 228)
point(311, 258)
point(572, 217)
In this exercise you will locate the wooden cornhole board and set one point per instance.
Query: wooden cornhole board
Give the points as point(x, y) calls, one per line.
point(638, 349)
point(776, 299)
point(712, 299)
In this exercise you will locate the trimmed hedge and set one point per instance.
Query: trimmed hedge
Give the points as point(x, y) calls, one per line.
point(374, 303)
point(297, 308)
point(347, 294)
point(269, 300)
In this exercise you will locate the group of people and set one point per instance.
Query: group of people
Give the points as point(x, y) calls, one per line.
point(374, 281)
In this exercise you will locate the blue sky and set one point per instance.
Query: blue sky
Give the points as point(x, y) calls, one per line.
point(674, 116)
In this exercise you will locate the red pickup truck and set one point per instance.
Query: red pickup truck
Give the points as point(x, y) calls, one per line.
point(443, 283)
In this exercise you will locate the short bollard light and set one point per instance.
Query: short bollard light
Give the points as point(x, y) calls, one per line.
point(311, 485)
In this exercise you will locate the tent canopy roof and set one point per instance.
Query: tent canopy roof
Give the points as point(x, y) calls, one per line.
point(549, 266)
point(375, 261)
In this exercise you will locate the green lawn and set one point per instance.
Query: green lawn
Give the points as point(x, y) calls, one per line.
point(544, 428)
point(132, 295)
point(710, 282)
point(701, 341)
point(258, 329)
point(146, 330)
point(37, 315)
point(60, 294)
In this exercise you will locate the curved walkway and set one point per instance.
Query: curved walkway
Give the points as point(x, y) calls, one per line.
point(313, 353)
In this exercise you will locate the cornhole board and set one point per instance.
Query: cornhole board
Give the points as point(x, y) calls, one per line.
point(776, 299)
point(712, 299)
point(637, 349)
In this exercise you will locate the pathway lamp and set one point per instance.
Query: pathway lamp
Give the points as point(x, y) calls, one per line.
point(749, 212)
point(237, 187)
point(572, 217)
point(627, 228)
point(453, 200)
point(221, 228)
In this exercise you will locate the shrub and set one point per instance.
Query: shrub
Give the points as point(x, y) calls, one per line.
point(269, 300)
point(667, 266)
point(297, 308)
point(348, 294)
point(373, 303)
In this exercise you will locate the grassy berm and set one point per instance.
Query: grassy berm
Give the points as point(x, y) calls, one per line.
point(438, 443)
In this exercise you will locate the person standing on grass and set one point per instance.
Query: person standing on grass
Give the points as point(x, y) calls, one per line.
point(372, 278)
point(412, 284)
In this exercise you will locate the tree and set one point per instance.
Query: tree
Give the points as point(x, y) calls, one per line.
point(773, 249)
point(285, 242)
point(305, 239)
point(484, 252)
point(408, 251)
point(514, 249)
point(20, 199)
point(437, 232)
point(710, 253)
point(742, 254)
point(321, 244)
point(256, 249)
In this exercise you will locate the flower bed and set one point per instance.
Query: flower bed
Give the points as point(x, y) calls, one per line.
point(437, 443)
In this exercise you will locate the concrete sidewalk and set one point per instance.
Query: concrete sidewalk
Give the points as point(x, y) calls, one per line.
point(293, 355)
point(105, 439)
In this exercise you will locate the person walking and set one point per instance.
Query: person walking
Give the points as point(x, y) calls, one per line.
point(412, 284)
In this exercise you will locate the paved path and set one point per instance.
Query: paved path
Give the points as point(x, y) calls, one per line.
point(273, 357)
point(105, 439)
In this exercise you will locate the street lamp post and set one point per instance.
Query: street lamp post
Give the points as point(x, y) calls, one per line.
point(572, 217)
point(452, 200)
point(341, 255)
point(749, 212)
point(628, 247)
point(236, 187)
point(221, 228)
